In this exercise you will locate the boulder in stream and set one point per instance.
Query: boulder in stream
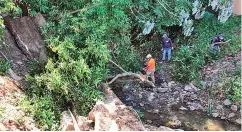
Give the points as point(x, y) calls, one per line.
point(231, 115)
point(234, 108)
point(227, 102)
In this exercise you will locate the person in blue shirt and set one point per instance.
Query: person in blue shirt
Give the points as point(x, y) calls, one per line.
point(218, 38)
point(166, 47)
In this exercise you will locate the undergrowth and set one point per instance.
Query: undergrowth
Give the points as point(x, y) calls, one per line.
point(4, 66)
point(45, 106)
point(189, 58)
point(233, 86)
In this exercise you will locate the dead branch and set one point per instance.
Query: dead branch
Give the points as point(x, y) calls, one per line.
point(134, 75)
point(220, 42)
point(117, 66)
point(5, 56)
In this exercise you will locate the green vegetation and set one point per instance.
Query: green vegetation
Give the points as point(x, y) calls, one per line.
point(43, 110)
point(5, 6)
point(4, 66)
point(233, 86)
point(189, 58)
point(140, 114)
point(35, 67)
point(83, 35)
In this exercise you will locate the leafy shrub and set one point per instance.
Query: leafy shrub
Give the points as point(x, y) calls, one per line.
point(35, 67)
point(43, 104)
point(4, 66)
point(128, 57)
point(46, 114)
point(233, 86)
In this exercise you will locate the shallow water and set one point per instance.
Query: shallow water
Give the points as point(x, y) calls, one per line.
point(190, 121)
point(171, 116)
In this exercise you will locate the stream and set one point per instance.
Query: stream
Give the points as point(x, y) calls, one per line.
point(164, 109)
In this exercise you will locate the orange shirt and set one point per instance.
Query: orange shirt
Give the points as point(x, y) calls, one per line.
point(151, 65)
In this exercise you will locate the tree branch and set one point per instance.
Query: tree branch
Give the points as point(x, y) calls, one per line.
point(134, 75)
point(117, 66)
point(220, 42)
point(5, 56)
point(167, 9)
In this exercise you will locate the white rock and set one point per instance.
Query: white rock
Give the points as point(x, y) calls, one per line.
point(238, 121)
point(151, 97)
point(149, 121)
point(227, 102)
point(156, 111)
point(162, 90)
point(234, 108)
point(171, 83)
point(219, 107)
point(188, 88)
point(231, 115)
point(193, 87)
point(140, 96)
point(19, 62)
point(223, 117)
point(141, 104)
point(192, 108)
point(182, 108)
point(215, 114)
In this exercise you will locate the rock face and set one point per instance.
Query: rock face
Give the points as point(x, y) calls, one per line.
point(27, 37)
point(39, 20)
point(112, 115)
point(14, 55)
point(84, 124)
point(66, 121)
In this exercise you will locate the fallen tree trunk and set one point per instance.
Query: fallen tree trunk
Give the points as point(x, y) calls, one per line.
point(133, 75)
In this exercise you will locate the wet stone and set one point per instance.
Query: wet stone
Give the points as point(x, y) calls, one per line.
point(156, 111)
point(140, 96)
point(223, 117)
point(234, 108)
point(219, 107)
point(231, 115)
point(238, 121)
point(227, 102)
point(149, 121)
point(141, 104)
point(215, 114)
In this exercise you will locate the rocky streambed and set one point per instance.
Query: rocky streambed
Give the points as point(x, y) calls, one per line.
point(175, 105)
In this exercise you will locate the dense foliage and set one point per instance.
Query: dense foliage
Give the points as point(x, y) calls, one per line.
point(83, 35)
point(233, 86)
point(5, 6)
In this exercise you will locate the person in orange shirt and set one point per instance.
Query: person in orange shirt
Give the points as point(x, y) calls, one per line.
point(150, 67)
